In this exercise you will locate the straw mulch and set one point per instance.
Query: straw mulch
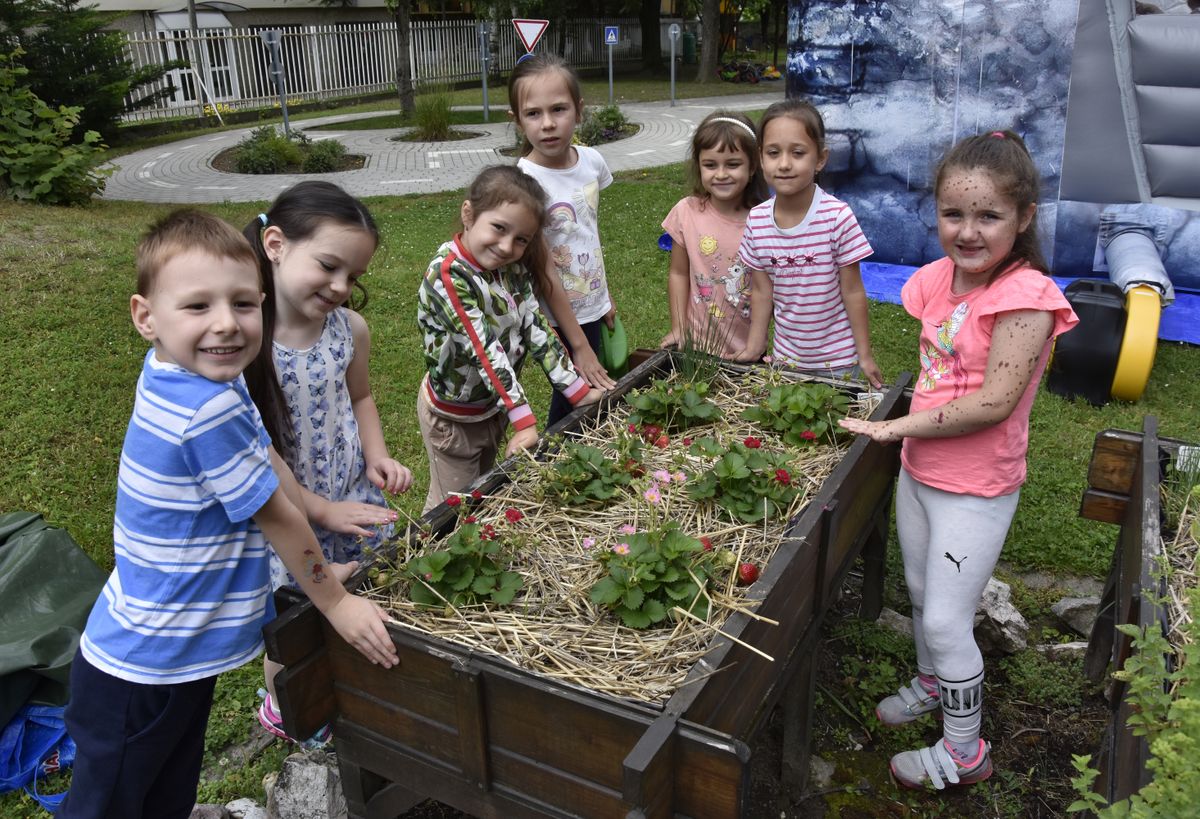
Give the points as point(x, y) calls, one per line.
point(553, 628)
point(1181, 550)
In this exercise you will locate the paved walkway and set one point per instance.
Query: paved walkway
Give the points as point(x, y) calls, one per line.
point(183, 172)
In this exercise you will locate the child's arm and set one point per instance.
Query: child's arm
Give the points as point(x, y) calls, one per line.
point(679, 288)
point(854, 297)
point(582, 354)
point(345, 517)
point(1018, 338)
point(382, 470)
point(762, 307)
point(357, 620)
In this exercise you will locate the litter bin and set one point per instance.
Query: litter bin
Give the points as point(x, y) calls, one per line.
point(689, 48)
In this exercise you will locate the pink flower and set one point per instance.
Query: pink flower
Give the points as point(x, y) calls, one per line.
point(752, 443)
point(513, 515)
point(429, 575)
point(453, 500)
point(627, 529)
point(679, 477)
point(653, 494)
point(808, 435)
point(782, 476)
point(662, 476)
point(621, 548)
point(589, 542)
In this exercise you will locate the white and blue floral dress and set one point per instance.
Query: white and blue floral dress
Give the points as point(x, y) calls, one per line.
point(329, 456)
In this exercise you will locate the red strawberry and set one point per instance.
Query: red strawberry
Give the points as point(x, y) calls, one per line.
point(747, 574)
point(662, 441)
point(706, 543)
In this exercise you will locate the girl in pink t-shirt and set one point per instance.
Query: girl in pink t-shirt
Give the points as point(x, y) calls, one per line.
point(988, 315)
point(708, 288)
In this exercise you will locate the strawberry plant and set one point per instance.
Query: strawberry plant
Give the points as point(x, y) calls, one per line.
point(749, 483)
point(649, 573)
point(673, 406)
point(801, 413)
point(583, 475)
point(468, 569)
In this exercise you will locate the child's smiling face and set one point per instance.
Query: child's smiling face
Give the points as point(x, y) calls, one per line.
point(203, 313)
point(724, 174)
point(791, 158)
point(977, 224)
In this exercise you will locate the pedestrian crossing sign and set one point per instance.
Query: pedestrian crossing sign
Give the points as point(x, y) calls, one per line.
point(530, 31)
point(610, 35)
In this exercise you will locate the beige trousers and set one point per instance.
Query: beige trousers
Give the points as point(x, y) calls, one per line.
point(459, 450)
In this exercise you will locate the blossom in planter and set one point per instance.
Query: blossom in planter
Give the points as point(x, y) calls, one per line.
point(513, 515)
point(751, 442)
point(653, 494)
point(782, 476)
point(662, 476)
point(621, 548)
point(453, 500)
point(589, 542)
point(679, 477)
point(627, 529)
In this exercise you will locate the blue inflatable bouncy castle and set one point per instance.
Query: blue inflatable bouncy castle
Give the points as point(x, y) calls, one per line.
point(1106, 94)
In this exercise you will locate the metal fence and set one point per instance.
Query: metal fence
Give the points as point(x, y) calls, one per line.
point(324, 62)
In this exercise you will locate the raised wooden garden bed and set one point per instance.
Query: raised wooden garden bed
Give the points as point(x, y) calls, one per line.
point(1125, 487)
point(473, 731)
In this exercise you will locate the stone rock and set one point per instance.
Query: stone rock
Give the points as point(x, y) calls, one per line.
point(999, 627)
point(308, 787)
point(820, 773)
point(246, 809)
point(209, 812)
point(1064, 651)
point(1078, 613)
point(896, 621)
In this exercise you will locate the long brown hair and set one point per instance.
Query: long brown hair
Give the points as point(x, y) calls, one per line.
point(299, 212)
point(531, 66)
point(1003, 155)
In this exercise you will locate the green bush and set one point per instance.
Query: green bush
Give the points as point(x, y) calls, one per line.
point(432, 115)
point(38, 161)
point(324, 155)
point(267, 150)
point(602, 125)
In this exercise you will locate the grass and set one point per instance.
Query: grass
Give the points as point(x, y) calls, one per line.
point(71, 358)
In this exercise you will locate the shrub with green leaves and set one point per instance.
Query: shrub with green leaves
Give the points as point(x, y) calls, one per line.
point(749, 483)
point(266, 150)
point(470, 568)
point(602, 125)
point(38, 161)
point(324, 156)
point(650, 573)
point(583, 475)
point(432, 115)
point(673, 405)
point(801, 412)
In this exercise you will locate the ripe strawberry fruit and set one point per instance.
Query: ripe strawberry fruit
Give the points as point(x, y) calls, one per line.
point(706, 543)
point(747, 574)
point(662, 441)
point(650, 432)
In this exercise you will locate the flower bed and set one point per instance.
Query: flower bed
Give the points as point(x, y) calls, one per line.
point(684, 492)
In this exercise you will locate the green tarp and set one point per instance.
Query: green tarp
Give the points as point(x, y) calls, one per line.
point(47, 588)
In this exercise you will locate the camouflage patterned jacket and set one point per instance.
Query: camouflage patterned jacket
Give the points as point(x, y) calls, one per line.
point(479, 325)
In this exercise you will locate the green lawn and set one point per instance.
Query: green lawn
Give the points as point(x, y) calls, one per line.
point(70, 358)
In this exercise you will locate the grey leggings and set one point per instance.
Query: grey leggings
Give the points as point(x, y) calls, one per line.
point(950, 544)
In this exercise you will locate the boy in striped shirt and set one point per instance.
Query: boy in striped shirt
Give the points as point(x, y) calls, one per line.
point(198, 488)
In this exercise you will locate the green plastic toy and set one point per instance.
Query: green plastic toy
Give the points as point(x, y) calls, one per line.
point(614, 348)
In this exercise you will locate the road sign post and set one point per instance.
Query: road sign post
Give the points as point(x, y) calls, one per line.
point(485, 52)
point(673, 33)
point(271, 38)
point(611, 35)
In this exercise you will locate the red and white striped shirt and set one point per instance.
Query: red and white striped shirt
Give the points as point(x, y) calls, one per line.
point(812, 328)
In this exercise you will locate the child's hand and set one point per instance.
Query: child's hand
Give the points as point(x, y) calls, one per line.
point(352, 517)
point(871, 370)
point(880, 431)
point(593, 395)
point(610, 318)
point(523, 439)
point(389, 475)
point(360, 623)
point(671, 339)
point(750, 355)
point(589, 366)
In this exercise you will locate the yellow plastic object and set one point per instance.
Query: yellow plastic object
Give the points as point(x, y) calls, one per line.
point(1143, 309)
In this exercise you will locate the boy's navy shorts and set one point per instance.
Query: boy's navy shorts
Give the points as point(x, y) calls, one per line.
point(140, 747)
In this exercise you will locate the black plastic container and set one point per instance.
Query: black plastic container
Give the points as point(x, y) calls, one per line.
point(1085, 359)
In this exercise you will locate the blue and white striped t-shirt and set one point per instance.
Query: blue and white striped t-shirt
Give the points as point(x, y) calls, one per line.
point(191, 589)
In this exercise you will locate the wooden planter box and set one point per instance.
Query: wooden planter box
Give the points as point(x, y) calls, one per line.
point(1124, 487)
point(493, 740)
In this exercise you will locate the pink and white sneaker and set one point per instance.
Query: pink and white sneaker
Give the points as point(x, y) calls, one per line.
point(938, 766)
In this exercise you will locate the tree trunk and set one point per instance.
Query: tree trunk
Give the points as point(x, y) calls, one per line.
point(710, 35)
point(651, 34)
point(404, 83)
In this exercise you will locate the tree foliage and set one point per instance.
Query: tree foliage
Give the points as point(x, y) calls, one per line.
point(73, 62)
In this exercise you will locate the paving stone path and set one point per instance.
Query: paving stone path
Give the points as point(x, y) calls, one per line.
point(182, 172)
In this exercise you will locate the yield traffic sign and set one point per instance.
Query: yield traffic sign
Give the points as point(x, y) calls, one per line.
point(530, 31)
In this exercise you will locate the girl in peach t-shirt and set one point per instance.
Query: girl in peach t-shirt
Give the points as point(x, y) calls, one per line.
point(988, 315)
